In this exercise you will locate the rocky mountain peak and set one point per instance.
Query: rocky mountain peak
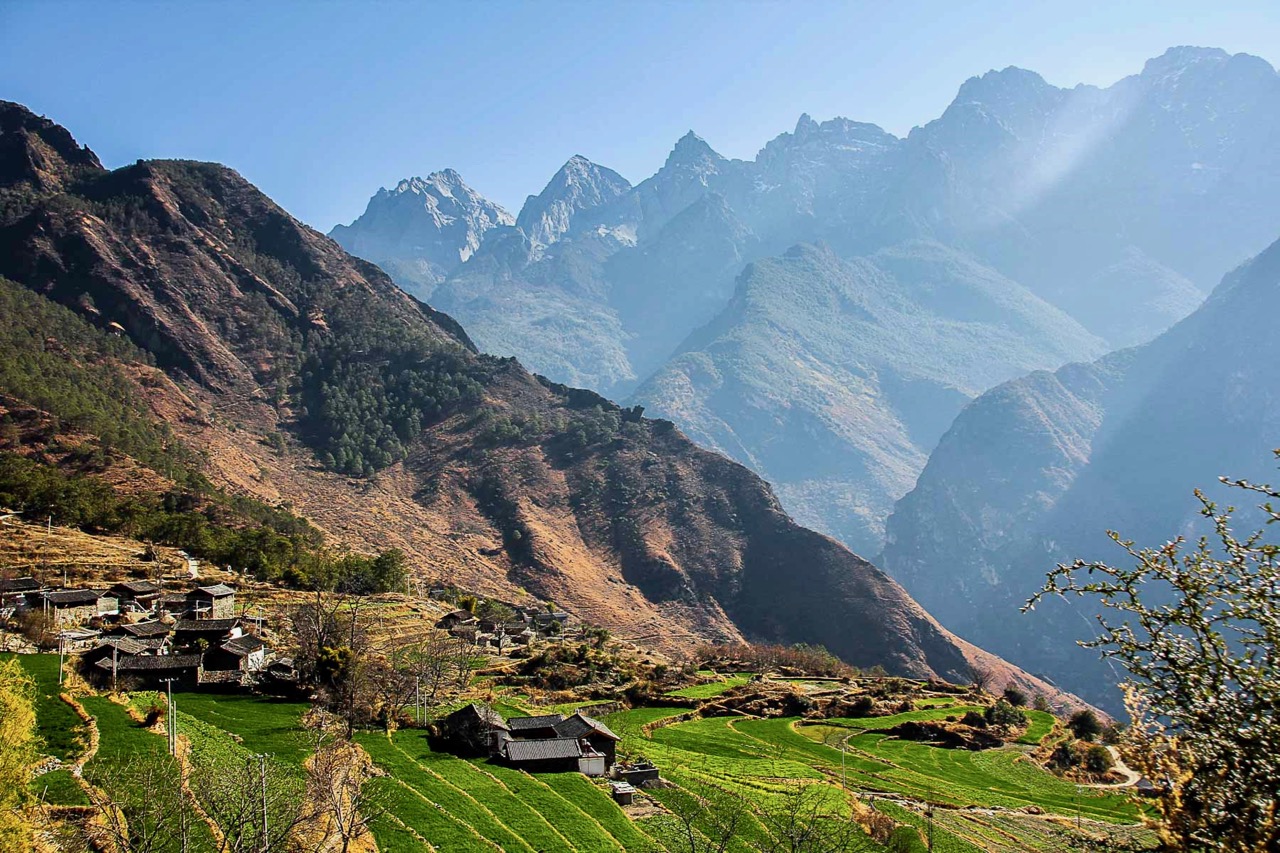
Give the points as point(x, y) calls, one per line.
point(423, 228)
point(579, 185)
point(38, 152)
point(691, 149)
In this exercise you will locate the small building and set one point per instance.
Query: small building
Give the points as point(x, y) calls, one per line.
point(535, 728)
point(624, 794)
point(140, 595)
point(187, 633)
point(141, 630)
point(475, 728)
point(591, 731)
point(14, 591)
point(78, 639)
point(213, 602)
point(283, 669)
point(151, 669)
point(75, 606)
point(454, 618)
point(543, 755)
point(639, 774)
point(117, 648)
point(176, 605)
point(244, 654)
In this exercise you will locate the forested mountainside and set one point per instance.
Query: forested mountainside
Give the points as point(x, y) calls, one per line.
point(1118, 206)
point(302, 377)
point(1035, 472)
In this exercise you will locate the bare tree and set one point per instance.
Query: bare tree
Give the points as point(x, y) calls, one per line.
point(706, 823)
point(809, 818)
point(980, 677)
point(256, 802)
point(339, 790)
point(141, 807)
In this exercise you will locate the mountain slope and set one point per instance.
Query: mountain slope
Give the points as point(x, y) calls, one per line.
point(287, 359)
point(1035, 471)
point(423, 229)
point(834, 379)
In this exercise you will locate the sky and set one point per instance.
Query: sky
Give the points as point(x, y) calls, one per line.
point(322, 103)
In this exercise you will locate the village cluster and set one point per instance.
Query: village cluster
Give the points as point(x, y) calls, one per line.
point(137, 631)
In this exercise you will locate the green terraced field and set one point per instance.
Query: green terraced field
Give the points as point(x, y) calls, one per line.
point(711, 689)
point(59, 788)
point(61, 732)
point(1040, 724)
point(459, 804)
point(264, 725)
point(757, 758)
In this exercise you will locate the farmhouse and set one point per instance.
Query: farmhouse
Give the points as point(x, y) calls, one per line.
point(152, 668)
point(243, 654)
point(136, 595)
point(75, 606)
point(213, 602)
point(535, 728)
point(475, 728)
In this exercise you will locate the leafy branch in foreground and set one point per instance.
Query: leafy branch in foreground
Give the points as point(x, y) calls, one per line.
point(1197, 627)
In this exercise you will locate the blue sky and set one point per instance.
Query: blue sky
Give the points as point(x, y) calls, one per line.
point(321, 103)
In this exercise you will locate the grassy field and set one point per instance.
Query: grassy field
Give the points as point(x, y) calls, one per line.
point(59, 788)
point(62, 733)
point(758, 758)
point(710, 689)
point(264, 725)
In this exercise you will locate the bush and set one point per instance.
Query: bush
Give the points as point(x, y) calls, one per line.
point(1004, 714)
point(1015, 697)
point(1097, 759)
point(974, 719)
point(1085, 725)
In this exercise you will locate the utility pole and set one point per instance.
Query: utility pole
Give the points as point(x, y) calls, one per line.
point(1078, 828)
point(928, 813)
point(115, 662)
point(417, 697)
point(60, 657)
point(171, 717)
point(262, 771)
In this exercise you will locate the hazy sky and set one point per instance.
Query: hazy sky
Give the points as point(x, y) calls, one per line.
point(321, 103)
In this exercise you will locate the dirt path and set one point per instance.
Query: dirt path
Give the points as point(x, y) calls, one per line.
point(1131, 776)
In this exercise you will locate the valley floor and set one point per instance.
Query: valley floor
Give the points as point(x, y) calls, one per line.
point(993, 800)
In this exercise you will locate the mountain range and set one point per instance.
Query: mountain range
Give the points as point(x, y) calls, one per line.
point(1102, 214)
point(274, 366)
point(1035, 471)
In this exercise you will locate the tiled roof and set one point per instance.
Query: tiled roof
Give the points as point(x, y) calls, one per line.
point(138, 587)
point(218, 590)
point(545, 721)
point(74, 596)
point(580, 725)
point(541, 750)
point(19, 584)
point(124, 645)
point(150, 662)
point(484, 713)
point(244, 645)
point(153, 628)
point(205, 626)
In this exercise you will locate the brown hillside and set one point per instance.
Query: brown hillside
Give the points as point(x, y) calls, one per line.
point(520, 485)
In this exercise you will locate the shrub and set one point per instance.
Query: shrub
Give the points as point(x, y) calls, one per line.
point(974, 719)
point(1085, 725)
point(1004, 714)
point(1015, 697)
point(1097, 759)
